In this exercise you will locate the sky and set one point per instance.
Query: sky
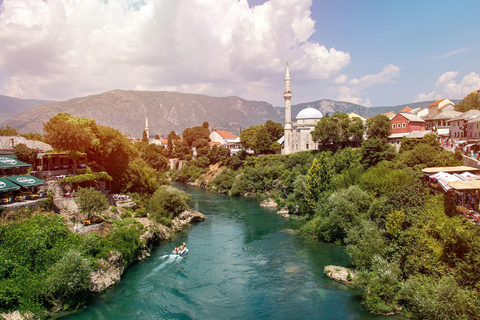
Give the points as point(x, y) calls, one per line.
point(370, 52)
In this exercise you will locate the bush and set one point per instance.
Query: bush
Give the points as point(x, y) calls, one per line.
point(223, 181)
point(124, 238)
point(46, 204)
point(68, 280)
point(90, 200)
point(168, 202)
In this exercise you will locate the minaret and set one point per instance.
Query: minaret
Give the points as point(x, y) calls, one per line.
point(288, 143)
point(146, 128)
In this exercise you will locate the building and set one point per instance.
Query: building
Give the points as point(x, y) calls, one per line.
point(472, 128)
point(456, 124)
point(225, 139)
point(7, 143)
point(421, 112)
point(297, 135)
point(352, 115)
point(440, 106)
point(439, 123)
point(404, 125)
point(406, 122)
point(303, 125)
point(390, 114)
point(406, 109)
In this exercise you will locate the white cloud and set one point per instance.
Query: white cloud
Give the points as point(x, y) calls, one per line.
point(354, 90)
point(447, 88)
point(446, 55)
point(59, 49)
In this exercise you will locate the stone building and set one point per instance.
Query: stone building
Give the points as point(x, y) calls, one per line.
point(297, 135)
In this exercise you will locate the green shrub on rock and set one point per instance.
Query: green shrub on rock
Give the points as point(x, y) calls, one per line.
point(168, 202)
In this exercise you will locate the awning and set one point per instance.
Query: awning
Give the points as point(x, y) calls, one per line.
point(446, 187)
point(465, 185)
point(9, 162)
point(443, 132)
point(6, 185)
point(26, 180)
point(469, 145)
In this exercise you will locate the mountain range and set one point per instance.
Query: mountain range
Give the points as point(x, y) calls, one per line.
point(127, 110)
point(10, 107)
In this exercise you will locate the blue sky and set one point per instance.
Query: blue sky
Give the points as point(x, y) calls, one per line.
point(373, 53)
point(424, 38)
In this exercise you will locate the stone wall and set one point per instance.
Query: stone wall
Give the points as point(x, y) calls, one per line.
point(471, 162)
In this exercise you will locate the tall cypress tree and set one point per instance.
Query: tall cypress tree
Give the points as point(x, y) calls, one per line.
point(318, 181)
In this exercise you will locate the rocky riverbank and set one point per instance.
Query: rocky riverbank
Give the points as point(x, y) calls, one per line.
point(109, 271)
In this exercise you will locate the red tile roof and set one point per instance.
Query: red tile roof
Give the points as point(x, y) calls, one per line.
point(225, 134)
point(406, 109)
point(435, 103)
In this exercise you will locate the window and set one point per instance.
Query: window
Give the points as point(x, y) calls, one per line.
point(307, 146)
point(393, 126)
point(404, 125)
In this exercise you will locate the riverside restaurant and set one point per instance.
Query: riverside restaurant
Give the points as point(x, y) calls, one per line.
point(16, 184)
point(461, 184)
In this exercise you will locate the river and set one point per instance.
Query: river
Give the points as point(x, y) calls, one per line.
point(244, 262)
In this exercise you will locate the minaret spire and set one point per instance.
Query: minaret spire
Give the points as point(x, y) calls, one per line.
point(146, 128)
point(288, 143)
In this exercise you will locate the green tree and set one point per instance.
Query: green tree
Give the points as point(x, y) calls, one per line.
point(326, 131)
point(172, 137)
point(275, 129)
point(68, 280)
point(32, 136)
point(202, 146)
point(68, 133)
point(364, 242)
point(195, 133)
point(205, 125)
point(248, 137)
point(356, 129)
point(181, 150)
point(378, 127)
point(145, 137)
point(376, 150)
point(90, 201)
point(8, 131)
point(263, 142)
point(167, 202)
point(470, 102)
point(154, 155)
point(318, 181)
point(25, 153)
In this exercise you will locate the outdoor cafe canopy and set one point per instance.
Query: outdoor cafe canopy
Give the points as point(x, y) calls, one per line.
point(10, 162)
point(457, 169)
point(25, 180)
point(6, 185)
point(465, 185)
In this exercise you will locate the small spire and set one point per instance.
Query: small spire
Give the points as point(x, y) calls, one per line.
point(287, 73)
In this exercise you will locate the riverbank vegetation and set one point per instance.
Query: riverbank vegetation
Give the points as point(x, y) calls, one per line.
point(44, 266)
point(414, 254)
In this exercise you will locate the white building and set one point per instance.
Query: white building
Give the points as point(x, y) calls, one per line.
point(227, 140)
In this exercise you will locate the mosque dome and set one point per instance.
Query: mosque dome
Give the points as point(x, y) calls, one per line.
point(309, 113)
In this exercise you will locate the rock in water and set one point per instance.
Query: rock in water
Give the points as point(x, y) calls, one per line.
point(340, 274)
point(283, 211)
point(268, 203)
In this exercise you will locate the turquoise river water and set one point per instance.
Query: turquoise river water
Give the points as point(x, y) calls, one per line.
point(244, 262)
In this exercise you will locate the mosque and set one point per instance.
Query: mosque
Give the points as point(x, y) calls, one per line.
point(297, 136)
